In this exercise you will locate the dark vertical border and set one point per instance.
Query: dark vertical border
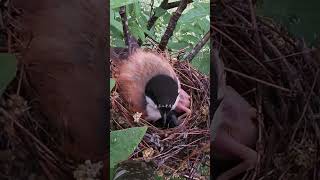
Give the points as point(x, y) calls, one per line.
point(214, 103)
point(106, 172)
point(213, 94)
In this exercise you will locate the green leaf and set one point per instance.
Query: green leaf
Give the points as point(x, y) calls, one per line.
point(137, 32)
point(178, 45)
point(159, 178)
point(299, 17)
point(118, 42)
point(202, 62)
point(204, 24)
point(193, 15)
point(149, 33)
point(190, 38)
point(8, 68)
point(112, 83)
point(123, 143)
point(137, 9)
point(118, 3)
point(117, 26)
point(203, 7)
point(111, 174)
point(159, 11)
point(167, 17)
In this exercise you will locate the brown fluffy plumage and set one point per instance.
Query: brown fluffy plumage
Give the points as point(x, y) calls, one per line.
point(136, 71)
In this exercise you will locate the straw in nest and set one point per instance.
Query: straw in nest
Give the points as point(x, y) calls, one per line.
point(280, 76)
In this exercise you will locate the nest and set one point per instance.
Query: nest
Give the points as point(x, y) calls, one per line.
point(178, 150)
point(28, 144)
point(280, 76)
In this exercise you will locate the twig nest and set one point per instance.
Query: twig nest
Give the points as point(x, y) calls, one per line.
point(170, 148)
point(88, 171)
point(285, 124)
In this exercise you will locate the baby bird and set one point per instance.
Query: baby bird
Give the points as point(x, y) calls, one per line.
point(149, 84)
point(234, 132)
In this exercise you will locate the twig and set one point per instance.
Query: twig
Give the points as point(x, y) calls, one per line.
point(130, 41)
point(276, 50)
point(244, 50)
point(164, 5)
point(151, 7)
point(258, 80)
point(255, 29)
point(172, 24)
point(316, 116)
point(125, 27)
point(305, 108)
point(259, 145)
point(20, 79)
point(175, 4)
point(154, 18)
point(195, 50)
point(289, 55)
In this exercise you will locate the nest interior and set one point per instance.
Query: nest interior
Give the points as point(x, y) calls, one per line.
point(175, 150)
point(279, 75)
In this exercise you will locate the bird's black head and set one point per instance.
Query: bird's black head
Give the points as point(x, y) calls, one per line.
point(163, 91)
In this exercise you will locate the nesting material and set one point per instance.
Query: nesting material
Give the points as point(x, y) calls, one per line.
point(280, 76)
point(177, 150)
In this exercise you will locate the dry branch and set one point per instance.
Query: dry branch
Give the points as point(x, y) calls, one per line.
point(195, 50)
point(130, 41)
point(172, 24)
point(164, 5)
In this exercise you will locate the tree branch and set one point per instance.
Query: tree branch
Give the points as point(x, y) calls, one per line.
point(154, 18)
point(175, 4)
point(130, 41)
point(189, 56)
point(125, 27)
point(164, 5)
point(172, 24)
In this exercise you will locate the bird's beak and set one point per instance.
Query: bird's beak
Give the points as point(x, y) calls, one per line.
point(164, 116)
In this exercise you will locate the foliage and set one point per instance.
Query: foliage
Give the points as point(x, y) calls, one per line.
point(112, 84)
point(8, 68)
point(190, 29)
point(123, 143)
point(300, 17)
point(119, 3)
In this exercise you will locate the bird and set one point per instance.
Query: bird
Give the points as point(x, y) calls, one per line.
point(233, 129)
point(150, 85)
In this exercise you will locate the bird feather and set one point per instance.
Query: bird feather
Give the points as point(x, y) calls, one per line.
point(136, 71)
